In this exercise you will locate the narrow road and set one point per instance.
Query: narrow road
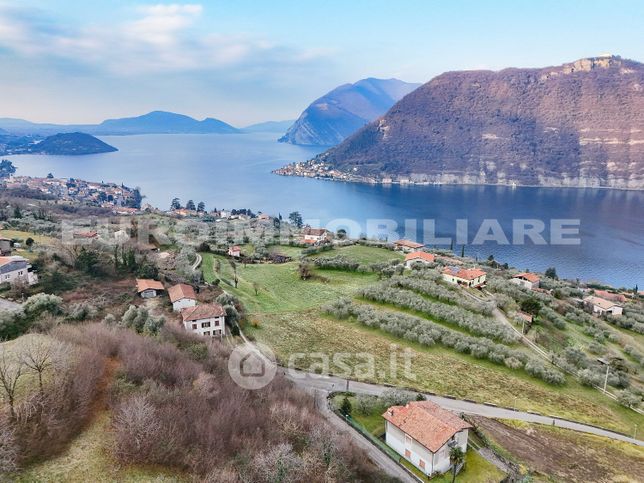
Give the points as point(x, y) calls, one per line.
point(198, 261)
point(333, 383)
point(8, 305)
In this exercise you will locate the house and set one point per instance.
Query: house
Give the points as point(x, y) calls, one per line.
point(407, 246)
point(315, 235)
point(263, 217)
point(16, 268)
point(86, 235)
point(147, 288)
point(5, 246)
point(469, 277)
point(234, 251)
point(601, 306)
point(418, 257)
point(206, 319)
point(424, 433)
point(182, 296)
point(527, 280)
point(613, 297)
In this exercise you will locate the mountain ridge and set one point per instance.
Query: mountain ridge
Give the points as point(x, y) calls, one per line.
point(577, 124)
point(340, 112)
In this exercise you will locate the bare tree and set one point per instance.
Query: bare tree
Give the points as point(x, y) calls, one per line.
point(8, 447)
point(38, 355)
point(11, 369)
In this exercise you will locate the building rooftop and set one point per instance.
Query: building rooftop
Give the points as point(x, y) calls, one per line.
point(530, 277)
point(419, 256)
point(181, 291)
point(200, 312)
point(143, 284)
point(426, 422)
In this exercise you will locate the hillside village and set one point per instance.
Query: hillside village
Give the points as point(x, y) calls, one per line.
point(188, 287)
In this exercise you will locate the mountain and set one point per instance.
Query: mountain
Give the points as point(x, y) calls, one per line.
point(75, 143)
point(161, 122)
point(156, 122)
point(269, 126)
point(578, 124)
point(344, 110)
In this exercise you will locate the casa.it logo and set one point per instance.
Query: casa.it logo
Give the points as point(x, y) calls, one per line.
point(252, 366)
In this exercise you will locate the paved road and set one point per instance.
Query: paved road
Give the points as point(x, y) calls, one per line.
point(198, 261)
point(332, 383)
point(8, 305)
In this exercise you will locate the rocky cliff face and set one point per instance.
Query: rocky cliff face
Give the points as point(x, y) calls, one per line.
point(579, 124)
point(344, 110)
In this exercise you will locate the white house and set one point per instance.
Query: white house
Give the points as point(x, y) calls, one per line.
point(424, 433)
point(234, 251)
point(469, 277)
point(418, 257)
point(315, 235)
point(527, 280)
point(407, 246)
point(601, 306)
point(147, 288)
point(16, 268)
point(206, 319)
point(182, 296)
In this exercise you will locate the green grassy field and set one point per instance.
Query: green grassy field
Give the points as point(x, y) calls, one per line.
point(361, 254)
point(286, 315)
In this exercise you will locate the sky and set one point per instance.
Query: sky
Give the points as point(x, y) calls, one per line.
point(247, 61)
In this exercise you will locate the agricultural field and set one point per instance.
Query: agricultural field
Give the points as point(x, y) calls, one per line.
point(288, 314)
point(556, 454)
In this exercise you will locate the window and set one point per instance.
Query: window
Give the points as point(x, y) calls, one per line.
point(421, 463)
point(407, 454)
point(407, 440)
point(206, 333)
point(194, 326)
point(205, 324)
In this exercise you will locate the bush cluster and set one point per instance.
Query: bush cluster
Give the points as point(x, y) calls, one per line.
point(475, 323)
point(337, 263)
point(428, 333)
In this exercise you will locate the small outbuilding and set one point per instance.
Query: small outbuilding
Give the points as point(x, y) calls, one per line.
point(182, 296)
point(148, 288)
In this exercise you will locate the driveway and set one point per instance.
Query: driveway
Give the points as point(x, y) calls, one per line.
point(8, 305)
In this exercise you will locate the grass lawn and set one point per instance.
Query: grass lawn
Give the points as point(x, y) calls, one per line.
point(287, 250)
point(23, 235)
point(374, 423)
point(87, 459)
point(279, 288)
point(363, 255)
point(476, 470)
point(435, 369)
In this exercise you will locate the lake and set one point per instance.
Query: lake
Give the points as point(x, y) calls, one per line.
point(234, 171)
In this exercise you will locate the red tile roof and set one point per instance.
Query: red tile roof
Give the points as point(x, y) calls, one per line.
point(615, 297)
point(315, 231)
point(426, 422)
point(12, 258)
point(419, 256)
point(200, 312)
point(530, 277)
point(143, 284)
point(181, 291)
point(464, 273)
point(408, 244)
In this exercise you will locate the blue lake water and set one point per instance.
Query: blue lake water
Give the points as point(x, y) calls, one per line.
point(234, 171)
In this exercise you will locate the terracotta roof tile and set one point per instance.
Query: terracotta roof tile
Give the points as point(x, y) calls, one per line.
point(143, 284)
point(199, 312)
point(181, 291)
point(530, 277)
point(464, 273)
point(426, 422)
point(408, 244)
point(419, 256)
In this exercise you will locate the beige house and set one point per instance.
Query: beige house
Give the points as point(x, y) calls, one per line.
point(182, 296)
point(207, 320)
point(234, 251)
point(315, 235)
point(424, 433)
point(468, 277)
point(601, 306)
point(527, 280)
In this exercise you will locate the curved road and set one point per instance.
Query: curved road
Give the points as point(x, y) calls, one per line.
point(333, 383)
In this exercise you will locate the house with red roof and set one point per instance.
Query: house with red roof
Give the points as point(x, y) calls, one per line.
point(182, 296)
point(234, 251)
point(418, 257)
point(468, 277)
point(407, 246)
point(424, 433)
point(148, 288)
point(207, 320)
point(315, 235)
point(601, 306)
point(15, 268)
point(527, 280)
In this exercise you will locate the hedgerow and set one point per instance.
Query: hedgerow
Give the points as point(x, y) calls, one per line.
point(428, 333)
point(475, 323)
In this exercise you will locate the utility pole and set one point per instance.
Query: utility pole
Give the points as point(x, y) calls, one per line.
point(607, 364)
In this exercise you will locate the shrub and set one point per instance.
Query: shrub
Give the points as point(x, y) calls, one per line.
point(81, 311)
point(629, 399)
point(140, 319)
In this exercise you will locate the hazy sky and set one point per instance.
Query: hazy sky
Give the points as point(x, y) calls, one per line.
point(246, 61)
